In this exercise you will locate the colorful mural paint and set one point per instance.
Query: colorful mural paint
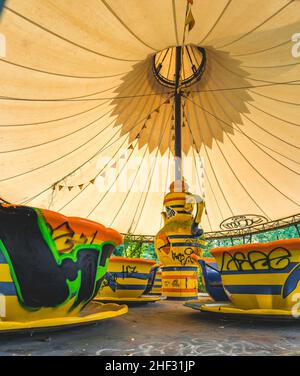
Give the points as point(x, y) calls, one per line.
point(181, 236)
point(179, 241)
point(45, 274)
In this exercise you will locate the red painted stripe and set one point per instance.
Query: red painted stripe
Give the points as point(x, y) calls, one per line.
point(177, 290)
point(179, 277)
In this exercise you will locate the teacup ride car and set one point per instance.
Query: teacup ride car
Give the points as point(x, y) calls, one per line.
point(51, 267)
point(260, 279)
point(127, 281)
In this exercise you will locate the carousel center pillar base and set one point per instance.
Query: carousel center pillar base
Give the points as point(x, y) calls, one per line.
point(180, 282)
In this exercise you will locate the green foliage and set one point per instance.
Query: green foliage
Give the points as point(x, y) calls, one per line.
point(201, 286)
point(149, 252)
point(135, 247)
point(263, 237)
point(138, 248)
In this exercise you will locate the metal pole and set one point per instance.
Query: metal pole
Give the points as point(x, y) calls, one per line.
point(177, 116)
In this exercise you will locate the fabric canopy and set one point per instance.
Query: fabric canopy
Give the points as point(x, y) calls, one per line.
point(87, 130)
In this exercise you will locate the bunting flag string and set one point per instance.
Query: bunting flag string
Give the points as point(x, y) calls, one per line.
point(59, 186)
point(91, 181)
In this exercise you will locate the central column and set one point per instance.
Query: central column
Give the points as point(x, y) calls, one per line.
point(177, 116)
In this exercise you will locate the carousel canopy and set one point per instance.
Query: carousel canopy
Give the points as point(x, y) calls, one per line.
point(87, 108)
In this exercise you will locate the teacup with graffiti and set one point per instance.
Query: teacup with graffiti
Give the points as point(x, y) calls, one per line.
point(261, 275)
point(126, 278)
point(51, 266)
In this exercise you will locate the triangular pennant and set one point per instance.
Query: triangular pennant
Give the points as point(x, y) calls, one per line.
point(130, 147)
point(114, 165)
point(53, 187)
point(60, 187)
point(190, 1)
point(92, 181)
point(190, 20)
point(167, 101)
point(144, 126)
point(103, 175)
point(80, 186)
point(70, 188)
point(157, 110)
point(122, 156)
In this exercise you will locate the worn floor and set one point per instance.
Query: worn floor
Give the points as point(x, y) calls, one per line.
point(162, 328)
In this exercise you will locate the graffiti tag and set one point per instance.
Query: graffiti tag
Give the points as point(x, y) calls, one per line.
point(278, 258)
point(183, 257)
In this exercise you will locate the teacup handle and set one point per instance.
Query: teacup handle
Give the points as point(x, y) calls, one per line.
point(151, 278)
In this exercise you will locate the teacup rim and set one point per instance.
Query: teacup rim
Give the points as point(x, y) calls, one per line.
point(116, 237)
point(292, 244)
point(131, 259)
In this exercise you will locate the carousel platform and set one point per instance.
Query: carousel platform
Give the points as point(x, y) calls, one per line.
point(162, 328)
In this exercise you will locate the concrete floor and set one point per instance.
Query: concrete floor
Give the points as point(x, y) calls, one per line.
point(162, 328)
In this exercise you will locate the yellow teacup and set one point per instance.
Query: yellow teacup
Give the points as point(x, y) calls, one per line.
point(51, 266)
point(261, 275)
point(126, 277)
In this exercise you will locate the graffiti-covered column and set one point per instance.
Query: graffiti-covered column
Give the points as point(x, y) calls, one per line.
point(178, 240)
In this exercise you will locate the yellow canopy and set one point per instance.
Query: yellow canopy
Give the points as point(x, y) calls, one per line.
point(86, 129)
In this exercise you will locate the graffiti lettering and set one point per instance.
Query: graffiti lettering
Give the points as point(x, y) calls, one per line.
point(128, 271)
point(278, 258)
point(184, 257)
point(110, 280)
point(66, 239)
point(242, 221)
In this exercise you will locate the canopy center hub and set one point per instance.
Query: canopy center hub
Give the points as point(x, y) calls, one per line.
point(192, 68)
